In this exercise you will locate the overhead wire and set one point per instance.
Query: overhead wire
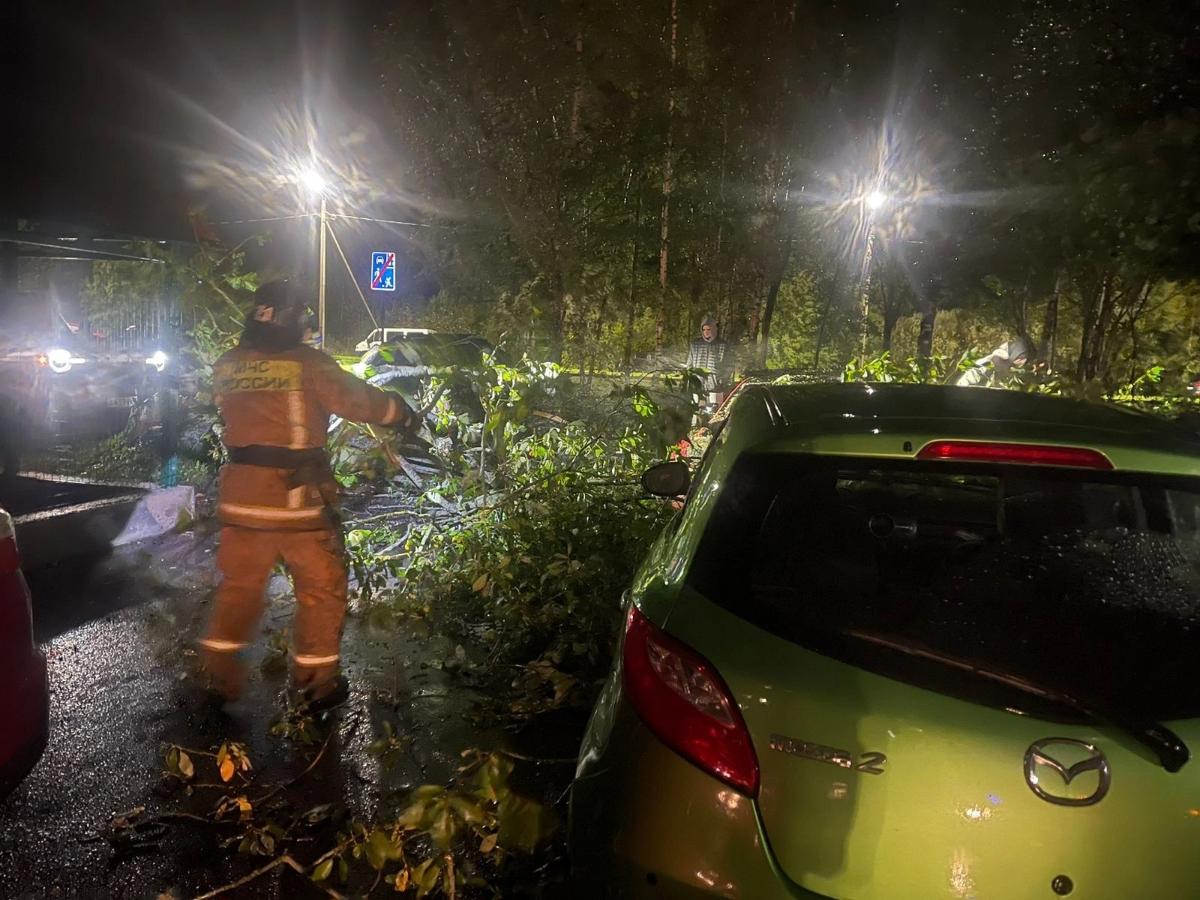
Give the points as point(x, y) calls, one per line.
point(384, 221)
point(266, 219)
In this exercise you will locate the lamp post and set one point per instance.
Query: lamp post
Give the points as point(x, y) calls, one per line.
point(872, 203)
point(314, 182)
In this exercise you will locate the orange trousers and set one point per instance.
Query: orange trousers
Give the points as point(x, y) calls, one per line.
point(246, 556)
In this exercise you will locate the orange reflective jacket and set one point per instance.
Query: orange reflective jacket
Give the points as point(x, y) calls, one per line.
point(284, 399)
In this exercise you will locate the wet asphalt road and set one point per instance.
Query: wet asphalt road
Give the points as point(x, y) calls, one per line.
point(116, 634)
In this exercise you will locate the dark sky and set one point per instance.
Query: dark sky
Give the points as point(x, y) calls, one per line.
point(111, 105)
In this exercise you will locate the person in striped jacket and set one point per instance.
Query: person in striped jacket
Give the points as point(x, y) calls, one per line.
point(708, 357)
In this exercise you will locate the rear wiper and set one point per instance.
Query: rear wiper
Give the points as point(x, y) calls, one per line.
point(1169, 747)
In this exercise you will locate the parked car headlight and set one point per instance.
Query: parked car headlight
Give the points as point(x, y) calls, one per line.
point(158, 359)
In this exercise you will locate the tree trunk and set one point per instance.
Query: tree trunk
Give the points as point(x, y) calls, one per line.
point(558, 335)
point(785, 253)
point(1021, 309)
point(728, 330)
point(891, 315)
point(660, 328)
point(1050, 323)
point(756, 313)
point(1104, 325)
point(698, 272)
point(1095, 324)
point(1087, 314)
point(577, 98)
point(719, 252)
point(925, 334)
point(633, 256)
point(822, 325)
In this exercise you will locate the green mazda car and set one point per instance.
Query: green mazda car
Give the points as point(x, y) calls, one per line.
point(908, 642)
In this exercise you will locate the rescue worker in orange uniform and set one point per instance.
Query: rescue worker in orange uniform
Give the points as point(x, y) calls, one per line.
point(277, 499)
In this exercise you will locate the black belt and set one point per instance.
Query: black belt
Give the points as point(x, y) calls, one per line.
point(308, 467)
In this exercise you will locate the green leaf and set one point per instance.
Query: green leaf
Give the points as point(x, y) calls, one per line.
point(380, 848)
point(426, 876)
point(524, 823)
point(186, 768)
point(411, 817)
point(356, 537)
point(492, 779)
point(323, 870)
point(444, 828)
point(467, 809)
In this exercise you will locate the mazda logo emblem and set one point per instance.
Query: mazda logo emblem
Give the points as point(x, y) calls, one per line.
point(1067, 772)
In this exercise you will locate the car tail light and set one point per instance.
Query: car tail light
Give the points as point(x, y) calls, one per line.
point(1024, 454)
point(686, 704)
point(10, 561)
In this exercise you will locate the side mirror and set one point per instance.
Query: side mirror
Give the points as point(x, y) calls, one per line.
point(669, 479)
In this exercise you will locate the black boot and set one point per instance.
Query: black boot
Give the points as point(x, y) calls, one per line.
point(318, 698)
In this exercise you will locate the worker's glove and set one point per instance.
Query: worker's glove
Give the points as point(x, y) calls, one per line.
point(409, 423)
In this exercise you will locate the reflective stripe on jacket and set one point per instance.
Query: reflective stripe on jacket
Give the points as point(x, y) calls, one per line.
point(284, 399)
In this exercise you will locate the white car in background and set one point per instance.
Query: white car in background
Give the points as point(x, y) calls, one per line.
point(386, 336)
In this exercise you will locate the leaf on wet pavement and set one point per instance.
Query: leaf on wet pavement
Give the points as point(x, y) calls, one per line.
point(444, 828)
point(524, 823)
point(184, 763)
point(492, 779)
point(323, 870)
point(426, 876)
point(402, 879)
point(381, 848)
point(467, 809)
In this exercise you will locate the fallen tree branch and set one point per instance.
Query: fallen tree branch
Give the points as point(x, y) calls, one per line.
point(192, 819)
point(283, 786)
point(285, 860)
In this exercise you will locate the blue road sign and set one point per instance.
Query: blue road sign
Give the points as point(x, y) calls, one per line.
point(383, 270)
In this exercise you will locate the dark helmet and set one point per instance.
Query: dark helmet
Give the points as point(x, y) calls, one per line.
point(275, 322)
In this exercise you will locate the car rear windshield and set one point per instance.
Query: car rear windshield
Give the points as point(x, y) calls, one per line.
point(1074, 582)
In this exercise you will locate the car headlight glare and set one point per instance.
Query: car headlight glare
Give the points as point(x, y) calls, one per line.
point(158, 359)
point(59, 360)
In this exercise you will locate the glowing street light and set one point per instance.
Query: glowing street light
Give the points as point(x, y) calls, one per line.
point(313, 181)
point(875, 200)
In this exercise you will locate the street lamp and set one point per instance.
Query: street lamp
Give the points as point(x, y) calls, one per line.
point(872, 203)
point(316, 185)
point(313, 181)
